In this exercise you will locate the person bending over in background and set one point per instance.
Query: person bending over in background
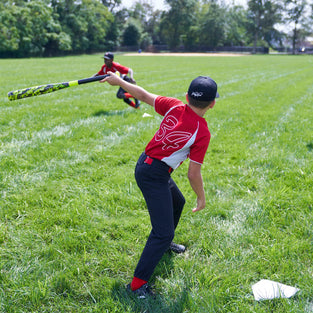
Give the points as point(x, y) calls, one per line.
point(110, 65)
point(183, 133)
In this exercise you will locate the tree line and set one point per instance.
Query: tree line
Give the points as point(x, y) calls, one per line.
point(60, 27)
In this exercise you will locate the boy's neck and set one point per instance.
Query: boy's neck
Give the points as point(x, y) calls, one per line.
point(198, 111)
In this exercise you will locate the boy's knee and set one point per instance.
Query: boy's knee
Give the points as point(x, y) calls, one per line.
point(166, 237)
point(169, 237)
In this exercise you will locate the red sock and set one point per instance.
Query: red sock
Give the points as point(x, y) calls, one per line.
point(137, 283)
point(132, 104)
point(127, 95)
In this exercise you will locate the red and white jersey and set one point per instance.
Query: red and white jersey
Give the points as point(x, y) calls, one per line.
point(116, 67)
point(182, 134)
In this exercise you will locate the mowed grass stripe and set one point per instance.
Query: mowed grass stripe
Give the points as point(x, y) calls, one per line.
point(108, 136)
point(75, 152)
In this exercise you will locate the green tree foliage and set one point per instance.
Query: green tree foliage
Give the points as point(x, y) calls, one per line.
point(115, 31)
point(29, 28)
point(55, 27)
point(272, 16)
point(36, 28)
point(176, 23)
point(149, 20)
point(262, 16)
point(9, 35)
point(86, 23)
point(235, 30)
point(212, 27)
point(132, 34)
point(144, 14)
point(152, 26)
point(145, 41)
point(111, 4)
point(296, 10)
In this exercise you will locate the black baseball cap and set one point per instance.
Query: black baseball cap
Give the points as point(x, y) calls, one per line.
point(203, 88)
point(109, 56)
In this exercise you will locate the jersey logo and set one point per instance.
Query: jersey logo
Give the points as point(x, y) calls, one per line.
point(171, 139)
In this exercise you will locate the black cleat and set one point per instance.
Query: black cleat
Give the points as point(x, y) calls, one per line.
point(143, 292)
point(137, 103)
point(177, 248)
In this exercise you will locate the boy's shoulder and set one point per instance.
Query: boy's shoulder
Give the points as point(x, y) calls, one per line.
point(163, 104)
point(170, 100)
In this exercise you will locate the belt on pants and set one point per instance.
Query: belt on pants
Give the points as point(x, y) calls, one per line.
point(149, 160)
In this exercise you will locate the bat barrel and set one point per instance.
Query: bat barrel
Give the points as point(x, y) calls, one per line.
point(40, 90)
point(36, 91)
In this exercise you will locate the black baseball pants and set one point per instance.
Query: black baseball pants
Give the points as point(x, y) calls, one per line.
point(165, 203)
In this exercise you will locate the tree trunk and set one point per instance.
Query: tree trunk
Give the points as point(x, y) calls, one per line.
point(294, 39)
point(255, 42)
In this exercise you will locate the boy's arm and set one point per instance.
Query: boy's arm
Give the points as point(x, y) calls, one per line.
point(196, 183)
point(136, 91)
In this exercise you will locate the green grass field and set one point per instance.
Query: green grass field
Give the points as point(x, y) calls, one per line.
point(73, 221)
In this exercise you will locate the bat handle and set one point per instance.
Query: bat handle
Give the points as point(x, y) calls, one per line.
point(92, 79)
